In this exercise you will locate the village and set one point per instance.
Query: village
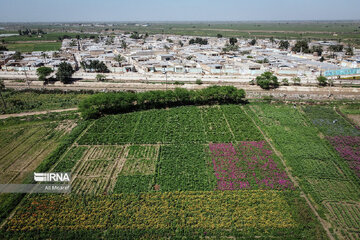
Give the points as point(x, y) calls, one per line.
point(186, 58)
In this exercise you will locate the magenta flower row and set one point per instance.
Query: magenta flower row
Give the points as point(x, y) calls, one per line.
point(249, 165)
point(349, 149)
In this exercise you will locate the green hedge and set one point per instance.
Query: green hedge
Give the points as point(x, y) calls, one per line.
point(113, 103)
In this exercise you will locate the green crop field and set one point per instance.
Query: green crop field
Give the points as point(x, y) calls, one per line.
point(346, 31)
point(30, 47)
point(47, 42)
point(221, 171)
point(52, 36)
point(25, 147)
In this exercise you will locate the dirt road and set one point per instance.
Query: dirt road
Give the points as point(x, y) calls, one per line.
point(4, 116)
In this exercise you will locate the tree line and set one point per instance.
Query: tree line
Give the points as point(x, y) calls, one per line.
point(29, 32)
point(101, 104)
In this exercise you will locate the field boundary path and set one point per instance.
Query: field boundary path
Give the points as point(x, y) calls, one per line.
point(4, 116)
point(323, 222)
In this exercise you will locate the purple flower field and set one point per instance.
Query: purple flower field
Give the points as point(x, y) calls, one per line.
point(248, 165)
point(349, 149)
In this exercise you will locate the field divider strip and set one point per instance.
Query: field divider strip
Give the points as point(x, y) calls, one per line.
point(118, 166)
point(228, 124)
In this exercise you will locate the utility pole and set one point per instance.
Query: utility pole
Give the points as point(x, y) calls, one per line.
point(165, 72)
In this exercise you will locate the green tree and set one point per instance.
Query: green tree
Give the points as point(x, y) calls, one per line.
point(322, 81)
point(233, 41)
point(2, 88)
point(43, 73)
point(336, 48)
point(181, 43)
point(17, 56)
point(285, 82)
point(301, 46)
point(201, 41)
point(64, 73)
point(284, 44)
point(296, 81)
point(100, 77)
point(267, 80)
point(198, 82)
point(3, 48)
point(73, 43)
point(349, 51)
point(252, 42)
point(120, 59)
point(229, 48)
point(318, 49)
point(219, 35)
point(272, 40)
point(95, 65)
point(124, 45)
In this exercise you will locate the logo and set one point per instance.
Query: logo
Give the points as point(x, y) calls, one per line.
point(52, 177)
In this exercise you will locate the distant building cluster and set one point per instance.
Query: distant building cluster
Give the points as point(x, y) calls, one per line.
point(182, 54)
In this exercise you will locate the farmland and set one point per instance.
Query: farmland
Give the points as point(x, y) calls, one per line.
point(25, 148)
point(47, 42)
point(34, 46)
point(302, 135)
point(26, 101)
point(243, 171)
point(347, 31)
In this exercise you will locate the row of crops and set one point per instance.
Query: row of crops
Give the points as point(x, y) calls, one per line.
point(345, 139)
point(265, 214)
point(176, 125)
point(31, 146)
point(303, 136)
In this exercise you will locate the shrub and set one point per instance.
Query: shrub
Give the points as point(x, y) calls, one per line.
point(285, 82)
point(323, 81)
point(100, 77)
point(267, 80)
point(296, 81)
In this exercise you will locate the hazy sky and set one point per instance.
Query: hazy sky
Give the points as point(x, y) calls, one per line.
point(177, 10)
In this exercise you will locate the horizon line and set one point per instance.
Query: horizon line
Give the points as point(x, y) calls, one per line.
point(181, 21)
